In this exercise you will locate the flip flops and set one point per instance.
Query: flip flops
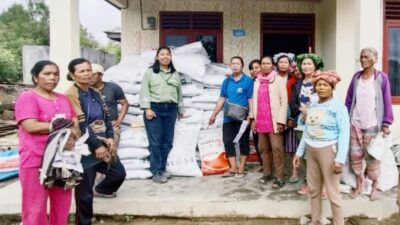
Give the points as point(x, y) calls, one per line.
point(304, 190)
point(278, 184)
point(294, 180)
point(240, 175)
point(228, 174)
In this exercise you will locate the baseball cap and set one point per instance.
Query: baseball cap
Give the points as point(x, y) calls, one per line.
point(97, 68)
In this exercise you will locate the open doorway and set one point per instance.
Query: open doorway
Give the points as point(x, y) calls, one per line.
point(287, 33)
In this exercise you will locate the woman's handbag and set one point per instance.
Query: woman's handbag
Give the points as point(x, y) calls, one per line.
point(235, 111)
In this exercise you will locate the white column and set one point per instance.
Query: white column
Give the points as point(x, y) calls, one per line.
point(359, 24)
point(130, 28)
point(371, 27)
point(347, 36)
point(64, 36)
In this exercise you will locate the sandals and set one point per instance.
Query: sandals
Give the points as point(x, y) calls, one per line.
point(265, 179)
point(228, 174)
point(294, 180)
point(278, 184)
point(100, 195)
point(304, 190)
point(240, 175)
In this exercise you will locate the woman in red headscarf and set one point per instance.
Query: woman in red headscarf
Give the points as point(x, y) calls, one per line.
point(326, 141)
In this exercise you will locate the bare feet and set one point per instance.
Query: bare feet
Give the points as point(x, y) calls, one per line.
point(258, 169)
point(374, 193)
point(356, 192)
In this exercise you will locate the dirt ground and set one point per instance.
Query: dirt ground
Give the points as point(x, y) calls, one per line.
point(394, 220)
point(130, 220)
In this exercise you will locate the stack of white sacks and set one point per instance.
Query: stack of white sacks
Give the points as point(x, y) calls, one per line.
point(201, 83)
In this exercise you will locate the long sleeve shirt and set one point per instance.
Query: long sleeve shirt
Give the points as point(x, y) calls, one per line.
point(327, 123)
point(383, 99)
point(162, 87)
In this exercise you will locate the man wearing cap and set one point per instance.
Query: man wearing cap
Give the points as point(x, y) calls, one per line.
point(112, 95)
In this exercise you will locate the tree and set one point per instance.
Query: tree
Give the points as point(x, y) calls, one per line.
point(113, 48)
point(8, 67)
point(15, 27)
point(21, 26)
point(87, 39)
point(39, 12)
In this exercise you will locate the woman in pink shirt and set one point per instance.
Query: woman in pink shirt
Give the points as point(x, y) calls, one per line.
point(34, 111)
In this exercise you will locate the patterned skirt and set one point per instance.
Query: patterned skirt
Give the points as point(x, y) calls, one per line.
point(291, 141)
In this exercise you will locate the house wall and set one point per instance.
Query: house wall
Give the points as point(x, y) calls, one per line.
point(326, 22)
point(343, 28)
point(359, 24)
point(243, 14)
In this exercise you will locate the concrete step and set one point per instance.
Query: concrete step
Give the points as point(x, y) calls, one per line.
point(214, 197)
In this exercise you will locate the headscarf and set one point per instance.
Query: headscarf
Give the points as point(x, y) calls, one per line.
point(264, 116)
point(329, 76)
point(319, 64)
point(262, 77)
point(280, 55)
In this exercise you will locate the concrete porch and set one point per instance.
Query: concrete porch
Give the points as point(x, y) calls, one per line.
point(213, 197)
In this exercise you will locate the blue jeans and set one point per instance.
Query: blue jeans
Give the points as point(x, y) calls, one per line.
point(160, 132)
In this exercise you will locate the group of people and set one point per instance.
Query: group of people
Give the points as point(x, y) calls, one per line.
point(91, 105)
point(287, 103)
point(291, 108)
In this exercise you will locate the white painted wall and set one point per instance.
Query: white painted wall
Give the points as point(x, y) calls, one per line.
point(359, 24)
point(345, 44)
point(243, 14)
point(371, 27)
point(343, 28)
point(326, 20)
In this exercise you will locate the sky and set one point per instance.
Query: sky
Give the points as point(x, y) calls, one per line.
point(96, 15)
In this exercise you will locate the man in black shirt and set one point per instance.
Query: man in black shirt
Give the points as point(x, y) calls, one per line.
point(112, 95)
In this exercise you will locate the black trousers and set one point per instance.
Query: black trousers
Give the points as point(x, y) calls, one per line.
point(229, 132)
point(114, 177)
